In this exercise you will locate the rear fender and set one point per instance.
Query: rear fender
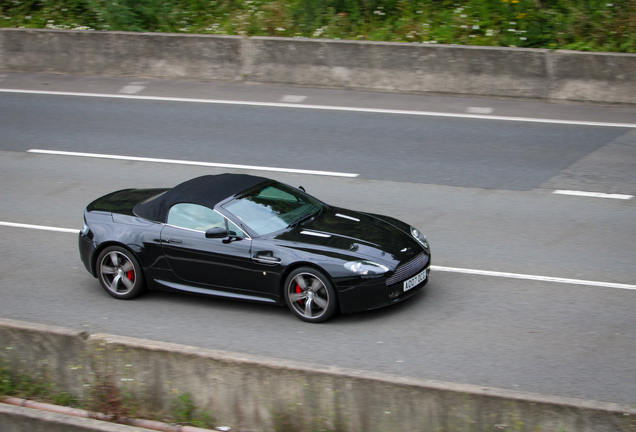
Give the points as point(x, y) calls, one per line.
point(134, 249)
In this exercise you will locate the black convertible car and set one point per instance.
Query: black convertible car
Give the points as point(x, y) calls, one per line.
point(254, 239)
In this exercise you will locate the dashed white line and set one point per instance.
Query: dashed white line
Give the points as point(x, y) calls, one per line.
point(39, 227)
point(435, 268)
point(479, 110)
point(293, 98)
point(325, 107)
point(593, 194)
point(194, 163)
point(131, 88)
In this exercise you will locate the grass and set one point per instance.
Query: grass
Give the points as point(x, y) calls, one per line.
point(584, 25)
point(185, 412)
point(103, 397)
point(37, 387)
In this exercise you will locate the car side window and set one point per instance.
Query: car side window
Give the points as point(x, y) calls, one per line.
point(234, 230)
point(194, 217)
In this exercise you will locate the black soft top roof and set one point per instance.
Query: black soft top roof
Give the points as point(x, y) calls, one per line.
point(207, 190)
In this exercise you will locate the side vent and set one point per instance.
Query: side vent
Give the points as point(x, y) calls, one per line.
point(348, 217)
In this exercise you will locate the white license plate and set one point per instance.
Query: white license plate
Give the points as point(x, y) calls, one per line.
point(414, 281)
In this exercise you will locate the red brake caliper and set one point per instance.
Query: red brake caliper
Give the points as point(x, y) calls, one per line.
point(131, 275)
point(298, 291)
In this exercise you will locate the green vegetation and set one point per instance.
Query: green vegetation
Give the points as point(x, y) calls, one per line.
point(586, 25)
point(106, 398)
point(33, 387)
point(103, 397)
point(185, 412)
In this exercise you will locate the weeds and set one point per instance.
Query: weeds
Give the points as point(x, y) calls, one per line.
point(106, 398)
point(103, 397)
point(38, 387)
point(185, 412)
point(592, 25)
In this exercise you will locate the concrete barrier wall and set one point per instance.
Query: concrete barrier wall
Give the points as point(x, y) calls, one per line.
point(400, 67)
point(252, 393)
point(157, 55)
point(602, 77)
point(377, 66)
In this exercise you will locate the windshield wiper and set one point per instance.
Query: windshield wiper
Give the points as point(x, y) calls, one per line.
point(306, 217)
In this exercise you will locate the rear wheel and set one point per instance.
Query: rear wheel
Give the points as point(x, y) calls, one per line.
point(310, 295)
point(119, 273)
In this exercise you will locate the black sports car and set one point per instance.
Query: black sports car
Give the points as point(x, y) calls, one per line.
point(254, 239)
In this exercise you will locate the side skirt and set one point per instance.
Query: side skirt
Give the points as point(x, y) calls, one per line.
point(217, 293)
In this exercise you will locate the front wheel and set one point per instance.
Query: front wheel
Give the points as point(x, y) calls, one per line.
point(119, 273)
point(310, 295)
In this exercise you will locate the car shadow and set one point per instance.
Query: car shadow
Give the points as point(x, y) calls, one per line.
point(206, 301)
point(407, 306)
point(194, 304)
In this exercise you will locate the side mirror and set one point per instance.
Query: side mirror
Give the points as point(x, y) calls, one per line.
point(302, 188)
point(216, 232)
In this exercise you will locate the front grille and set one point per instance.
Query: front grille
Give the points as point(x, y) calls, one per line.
point(411, 268)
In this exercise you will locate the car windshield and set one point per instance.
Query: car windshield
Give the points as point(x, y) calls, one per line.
point(273, 207)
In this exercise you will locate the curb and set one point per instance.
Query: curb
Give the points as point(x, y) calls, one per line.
point(80, 413)
point(20, 419)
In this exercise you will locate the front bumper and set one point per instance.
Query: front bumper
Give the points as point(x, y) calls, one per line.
point(375, 294)
point(86, 248)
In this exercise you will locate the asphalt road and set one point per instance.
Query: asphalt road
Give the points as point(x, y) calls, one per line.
point(482, 190)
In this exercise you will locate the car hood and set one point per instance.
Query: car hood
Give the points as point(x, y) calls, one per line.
point(357, 234)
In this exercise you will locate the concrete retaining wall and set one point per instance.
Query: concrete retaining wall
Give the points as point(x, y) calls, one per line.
point(251, 393)
point(377, 66)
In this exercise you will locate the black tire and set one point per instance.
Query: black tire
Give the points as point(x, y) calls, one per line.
point(119, 273)
point(310, 295)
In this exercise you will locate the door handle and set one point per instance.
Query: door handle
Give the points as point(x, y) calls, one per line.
point(175, 241)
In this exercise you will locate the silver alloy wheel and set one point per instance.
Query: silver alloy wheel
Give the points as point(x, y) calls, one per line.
point(117, 273)
point(308, 295)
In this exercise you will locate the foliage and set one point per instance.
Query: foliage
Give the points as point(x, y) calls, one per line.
point(33, 387)
point(106, 398)
point(130, 15)
point(587, 25)
point(184, 411)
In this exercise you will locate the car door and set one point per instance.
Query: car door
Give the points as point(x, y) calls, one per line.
point(216, 262)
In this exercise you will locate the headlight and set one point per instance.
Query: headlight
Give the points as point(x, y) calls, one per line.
point(366, 267)
point(85, 229)
point(419, 237)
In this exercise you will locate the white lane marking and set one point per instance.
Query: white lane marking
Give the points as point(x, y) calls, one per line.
point(195, 163)
point(325, 107)
point(131, 88)
point(39, 227)
point(436, 268)
point(593, 194)
point(479, 110)
point(293, 98)
point(534, 277)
